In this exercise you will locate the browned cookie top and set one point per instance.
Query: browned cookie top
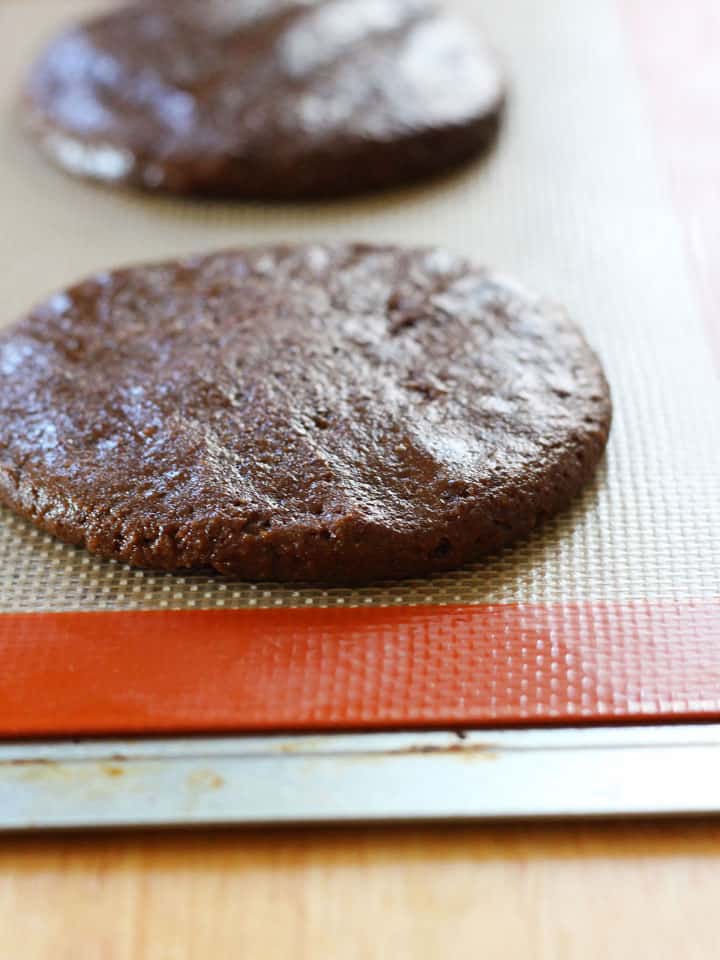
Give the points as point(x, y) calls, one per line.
point(297, 413)
point(265, 98)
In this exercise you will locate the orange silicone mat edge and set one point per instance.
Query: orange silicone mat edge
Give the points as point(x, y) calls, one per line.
point(367, 668)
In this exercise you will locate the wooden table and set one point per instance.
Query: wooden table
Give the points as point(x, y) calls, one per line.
point(602, 890)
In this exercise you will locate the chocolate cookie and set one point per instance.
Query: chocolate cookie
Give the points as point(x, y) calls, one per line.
point(333, 413)
point(269, 99)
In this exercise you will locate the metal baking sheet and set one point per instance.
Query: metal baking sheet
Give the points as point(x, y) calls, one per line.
point(395, 776)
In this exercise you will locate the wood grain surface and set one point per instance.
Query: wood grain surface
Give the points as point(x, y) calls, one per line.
point(636, 890)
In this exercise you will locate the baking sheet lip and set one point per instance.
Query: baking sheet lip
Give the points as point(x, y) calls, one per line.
point(395, 777)
point(561, 736)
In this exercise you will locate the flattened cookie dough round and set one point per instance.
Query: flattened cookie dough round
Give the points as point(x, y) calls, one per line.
point(265, 99)
point(319, 413)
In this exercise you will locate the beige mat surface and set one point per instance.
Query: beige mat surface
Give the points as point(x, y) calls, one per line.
point(573, 200)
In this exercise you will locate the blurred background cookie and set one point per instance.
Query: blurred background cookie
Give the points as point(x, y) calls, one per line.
point(267, 99)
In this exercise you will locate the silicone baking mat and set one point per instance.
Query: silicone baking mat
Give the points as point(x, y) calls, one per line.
point(597, 193)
